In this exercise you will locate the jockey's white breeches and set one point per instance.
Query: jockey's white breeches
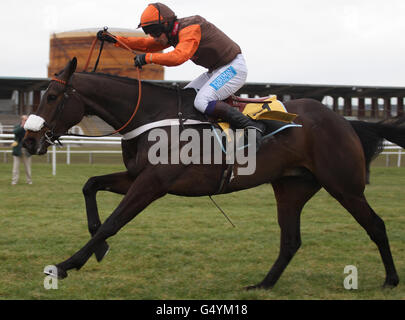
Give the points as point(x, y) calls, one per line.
point(220, 83)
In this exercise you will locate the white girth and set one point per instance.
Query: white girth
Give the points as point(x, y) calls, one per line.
point(162, 123)
point(35, 123)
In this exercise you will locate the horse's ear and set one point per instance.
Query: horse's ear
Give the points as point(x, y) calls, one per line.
point(73, 65)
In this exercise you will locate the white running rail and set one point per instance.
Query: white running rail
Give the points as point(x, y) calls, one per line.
point(68, 141)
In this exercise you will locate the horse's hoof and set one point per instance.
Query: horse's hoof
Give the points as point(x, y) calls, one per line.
point(101, 251)
point(256, 287)
point(391, 283)
point(249, 288)
point(55, 272)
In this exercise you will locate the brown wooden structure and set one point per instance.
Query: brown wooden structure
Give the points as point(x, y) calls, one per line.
point(66, 45)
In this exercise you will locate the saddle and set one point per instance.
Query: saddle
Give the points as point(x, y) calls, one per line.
point(240, 102)
point(267, 109)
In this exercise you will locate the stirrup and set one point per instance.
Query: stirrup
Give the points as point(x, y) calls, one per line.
point(259, 136)
point(254, 127)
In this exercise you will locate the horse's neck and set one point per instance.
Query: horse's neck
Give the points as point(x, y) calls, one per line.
point(114, 104)
point(117, 104)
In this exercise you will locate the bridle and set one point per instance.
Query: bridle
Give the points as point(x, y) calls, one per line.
point(50, 136)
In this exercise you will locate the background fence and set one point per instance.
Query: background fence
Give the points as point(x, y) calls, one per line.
point(88, 148)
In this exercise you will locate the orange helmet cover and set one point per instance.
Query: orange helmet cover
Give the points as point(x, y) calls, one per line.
point(156, 13)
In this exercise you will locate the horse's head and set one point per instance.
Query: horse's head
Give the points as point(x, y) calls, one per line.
point(60, 109)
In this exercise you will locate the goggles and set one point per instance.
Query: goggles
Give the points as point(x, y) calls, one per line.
point(154, 30)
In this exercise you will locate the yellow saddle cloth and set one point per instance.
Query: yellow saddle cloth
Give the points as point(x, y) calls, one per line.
point(269, 109)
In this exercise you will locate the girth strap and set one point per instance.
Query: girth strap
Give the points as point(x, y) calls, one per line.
point(179, 112)
point(226, 176)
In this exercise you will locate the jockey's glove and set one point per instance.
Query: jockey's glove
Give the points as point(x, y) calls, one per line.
point(140, 60)
point(105, 37)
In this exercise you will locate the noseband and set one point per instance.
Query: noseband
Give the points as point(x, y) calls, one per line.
point(50, 135)
point(36, 123)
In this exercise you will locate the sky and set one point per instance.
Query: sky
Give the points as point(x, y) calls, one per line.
point(336, 42)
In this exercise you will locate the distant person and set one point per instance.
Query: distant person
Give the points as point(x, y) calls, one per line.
point(198, 40)
point(20, 153)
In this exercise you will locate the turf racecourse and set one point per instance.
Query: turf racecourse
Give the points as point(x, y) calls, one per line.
point(183, 248)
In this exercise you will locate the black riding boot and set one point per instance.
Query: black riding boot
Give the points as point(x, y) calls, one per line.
point(238, 120)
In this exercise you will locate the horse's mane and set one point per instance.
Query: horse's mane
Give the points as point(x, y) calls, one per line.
point(187, 96)
point(128, 80)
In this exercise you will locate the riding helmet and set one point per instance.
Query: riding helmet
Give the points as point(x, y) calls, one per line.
point(157, 16)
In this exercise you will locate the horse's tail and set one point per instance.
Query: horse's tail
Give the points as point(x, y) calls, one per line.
point(372, 135)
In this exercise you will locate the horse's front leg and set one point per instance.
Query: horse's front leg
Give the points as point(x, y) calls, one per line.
point(118, 183)
point(147, 187)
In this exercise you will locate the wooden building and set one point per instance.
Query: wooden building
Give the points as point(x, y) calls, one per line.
point(66, 45)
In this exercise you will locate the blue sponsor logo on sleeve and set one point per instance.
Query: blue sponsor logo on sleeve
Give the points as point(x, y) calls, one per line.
point(223, 78)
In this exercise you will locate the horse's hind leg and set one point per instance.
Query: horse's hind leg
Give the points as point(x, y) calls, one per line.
point(117, 183)
point(291, 194)
point(375, 228)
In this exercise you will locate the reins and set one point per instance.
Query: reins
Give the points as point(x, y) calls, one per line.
point(95, 67)
point(65, 83)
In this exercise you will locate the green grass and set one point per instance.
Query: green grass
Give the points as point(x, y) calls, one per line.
point(183, 248)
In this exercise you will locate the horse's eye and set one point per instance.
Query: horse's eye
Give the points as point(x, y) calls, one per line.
point(51, 97)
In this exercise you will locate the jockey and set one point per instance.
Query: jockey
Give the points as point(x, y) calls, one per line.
point(196, 39)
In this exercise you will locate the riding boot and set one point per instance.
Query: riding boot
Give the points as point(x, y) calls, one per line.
point(237, 120)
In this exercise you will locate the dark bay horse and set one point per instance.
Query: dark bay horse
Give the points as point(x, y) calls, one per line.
point(325, 153)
